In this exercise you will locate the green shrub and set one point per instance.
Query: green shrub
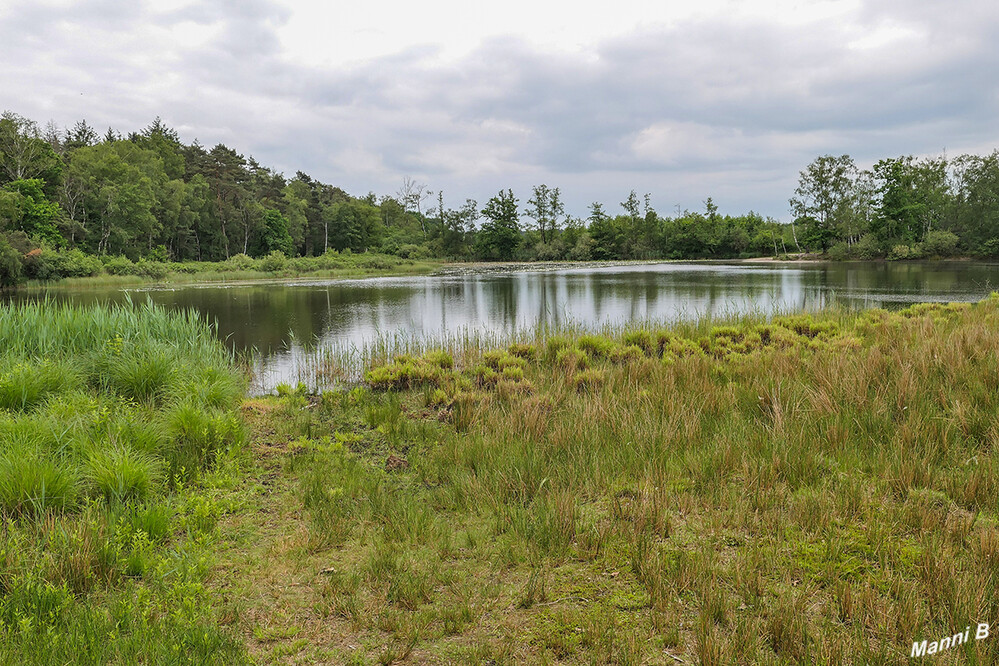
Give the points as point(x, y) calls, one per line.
point(989, 249)
point(152, 269)
point(10, 264)
point(840, 251)
point(240, 262)
point(410, 251)
point(940, 244)
point(274, 262)
point(48, 264)
point(899, 252)
point(867, 248)
point(117, 265)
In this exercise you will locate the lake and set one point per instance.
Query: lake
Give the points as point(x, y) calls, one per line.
point(286, 321)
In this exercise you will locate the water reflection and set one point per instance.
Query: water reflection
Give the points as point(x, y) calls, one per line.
point(283, 320)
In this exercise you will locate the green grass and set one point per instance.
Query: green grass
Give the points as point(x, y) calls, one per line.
point(812, 489)
point(107, 504)
point(809, 489)
point(242, 269)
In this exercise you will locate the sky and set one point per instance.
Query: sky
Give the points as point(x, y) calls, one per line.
point(681, 100)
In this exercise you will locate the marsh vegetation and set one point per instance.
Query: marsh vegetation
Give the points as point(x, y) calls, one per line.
point(117, 425)
point(816, 488)
point(813, 488)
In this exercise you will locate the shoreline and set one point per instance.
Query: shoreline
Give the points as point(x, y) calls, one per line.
point(431, 268)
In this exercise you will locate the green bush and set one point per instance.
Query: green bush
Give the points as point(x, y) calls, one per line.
point(867, 248)
point(840, 252)
point(989, 249)
point(899, 252)
point(274, 262)
point(153, 269)
point(411, 251)
point(240, 262)
point(117, 265)
point(940, 244)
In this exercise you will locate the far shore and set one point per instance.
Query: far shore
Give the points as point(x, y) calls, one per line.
point(429, 267)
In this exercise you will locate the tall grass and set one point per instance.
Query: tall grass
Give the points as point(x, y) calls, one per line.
point(795, 489)
point(108, 417)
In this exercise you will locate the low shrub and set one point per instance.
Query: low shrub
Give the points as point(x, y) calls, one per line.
point(117, 265)
point(240, 262)
point(940, 244)
point(274, 262)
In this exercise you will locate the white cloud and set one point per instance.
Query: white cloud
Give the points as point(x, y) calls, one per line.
point(685, 100)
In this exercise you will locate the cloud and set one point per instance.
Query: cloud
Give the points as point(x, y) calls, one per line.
point(729, 105)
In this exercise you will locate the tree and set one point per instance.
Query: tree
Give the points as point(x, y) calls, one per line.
point(631, 205)
point(500, 234)
point(10, 264)
point(545, 207)
point(912, 195)
point(227, 177)
point(458, 225)
point(605, 232)
point(24, 154)
point(34, 214)
point(80, 136)
point(355, 224)
point(119, 183)
point(976, 215)
point(822, 199)
point(274, 234)
point(412, 195)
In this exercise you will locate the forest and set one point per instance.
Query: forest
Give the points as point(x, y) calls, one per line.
point(74, 203)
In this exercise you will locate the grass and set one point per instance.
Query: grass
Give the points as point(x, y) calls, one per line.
point(808, 489)
point(811, 489)
point(108, 508)
point(242, 269)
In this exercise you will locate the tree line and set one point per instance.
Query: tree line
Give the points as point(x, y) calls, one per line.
point(150, 197)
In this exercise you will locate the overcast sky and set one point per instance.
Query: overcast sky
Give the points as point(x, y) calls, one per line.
point(684, 100)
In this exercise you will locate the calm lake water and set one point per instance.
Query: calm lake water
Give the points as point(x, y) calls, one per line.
point(286, 321)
